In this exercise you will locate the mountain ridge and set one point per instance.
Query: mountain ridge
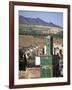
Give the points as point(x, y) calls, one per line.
point(36, 21)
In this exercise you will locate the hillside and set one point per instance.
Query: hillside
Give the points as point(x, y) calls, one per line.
point(27, 40)
point(38, 27)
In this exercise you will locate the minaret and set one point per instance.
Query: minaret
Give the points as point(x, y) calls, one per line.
point(49, 45)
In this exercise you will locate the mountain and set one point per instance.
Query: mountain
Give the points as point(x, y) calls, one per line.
point(37, 27)
point(35, 21)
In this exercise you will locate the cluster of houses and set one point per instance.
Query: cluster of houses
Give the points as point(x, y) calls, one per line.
point(30, 52)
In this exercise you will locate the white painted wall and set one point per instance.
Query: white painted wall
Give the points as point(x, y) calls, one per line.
point(37, 60)
point(4, 44)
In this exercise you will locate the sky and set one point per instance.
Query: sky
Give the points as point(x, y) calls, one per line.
point(54, 17)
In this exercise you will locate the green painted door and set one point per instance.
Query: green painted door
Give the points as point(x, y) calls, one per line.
point(46, 72)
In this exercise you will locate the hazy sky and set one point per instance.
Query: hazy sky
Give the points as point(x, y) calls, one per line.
point(54, 17)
